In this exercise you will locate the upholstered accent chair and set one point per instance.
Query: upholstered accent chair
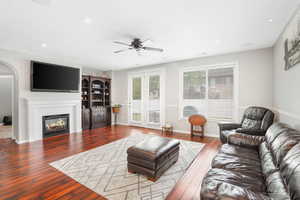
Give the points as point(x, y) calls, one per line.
point(255, 122)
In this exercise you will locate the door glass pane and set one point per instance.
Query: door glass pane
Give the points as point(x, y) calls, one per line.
point(136, 110)
point(154, 99)
point(137, 88)
point(137, 99)
point(220, 82)
point(194, 85)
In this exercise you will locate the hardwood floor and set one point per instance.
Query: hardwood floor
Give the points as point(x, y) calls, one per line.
point(26, 174)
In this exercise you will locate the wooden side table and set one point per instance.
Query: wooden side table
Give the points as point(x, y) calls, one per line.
point(197, 124)
point(167, 129)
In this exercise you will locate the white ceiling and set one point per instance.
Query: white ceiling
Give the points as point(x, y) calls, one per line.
point(184, 28)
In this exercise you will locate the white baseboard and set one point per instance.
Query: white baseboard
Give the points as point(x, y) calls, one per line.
point(21, 141)
point(205, 133)
point(77, 131)
point(177, 130)
point(120, 123)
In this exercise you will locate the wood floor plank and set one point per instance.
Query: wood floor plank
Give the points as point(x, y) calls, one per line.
point(25, 172)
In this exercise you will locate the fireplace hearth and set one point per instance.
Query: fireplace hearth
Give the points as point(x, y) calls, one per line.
point(55, 125)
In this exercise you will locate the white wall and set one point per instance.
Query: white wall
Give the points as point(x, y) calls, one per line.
point(255, 84)
point(6, 82)
point(287, 83)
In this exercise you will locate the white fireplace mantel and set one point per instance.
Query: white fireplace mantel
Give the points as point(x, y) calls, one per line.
point(36, 109)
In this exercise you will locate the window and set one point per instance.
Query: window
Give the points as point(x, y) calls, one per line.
point(154, 99)
point(220, 83)
point(194, 85)
point(208, 91)
point(137, 88)
point(137, 99)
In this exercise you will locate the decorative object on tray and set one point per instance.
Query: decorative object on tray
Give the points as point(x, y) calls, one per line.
point(116, 110)
point(197, 124)
point(167, 128)
point(292, 44)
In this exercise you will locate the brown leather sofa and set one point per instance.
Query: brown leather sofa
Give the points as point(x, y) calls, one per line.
point(270, 169)
point(255, 121)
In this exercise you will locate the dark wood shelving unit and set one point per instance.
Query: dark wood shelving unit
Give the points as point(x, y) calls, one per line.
point(96, 102)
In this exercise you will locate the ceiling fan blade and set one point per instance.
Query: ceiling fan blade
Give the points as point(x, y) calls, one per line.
point(153, 49)
point(122, 43)
point(122, 50)
point(146, 40)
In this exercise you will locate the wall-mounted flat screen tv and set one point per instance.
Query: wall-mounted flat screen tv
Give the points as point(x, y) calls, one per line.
point(54, 78)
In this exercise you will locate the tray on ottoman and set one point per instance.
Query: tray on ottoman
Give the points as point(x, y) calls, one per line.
point(153, 156)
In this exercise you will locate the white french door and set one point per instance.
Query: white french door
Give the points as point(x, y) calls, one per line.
point(146, 98)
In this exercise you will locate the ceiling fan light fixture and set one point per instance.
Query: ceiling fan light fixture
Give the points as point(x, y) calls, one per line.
point(138, 46)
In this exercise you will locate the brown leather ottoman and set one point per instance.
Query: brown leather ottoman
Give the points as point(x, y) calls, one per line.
point(153, 156)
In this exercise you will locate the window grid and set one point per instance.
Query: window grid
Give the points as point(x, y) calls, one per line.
point(219, 102)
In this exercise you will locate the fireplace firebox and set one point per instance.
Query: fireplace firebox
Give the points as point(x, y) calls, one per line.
point(55, 125)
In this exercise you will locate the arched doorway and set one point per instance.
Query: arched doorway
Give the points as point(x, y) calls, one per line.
point(9, 73)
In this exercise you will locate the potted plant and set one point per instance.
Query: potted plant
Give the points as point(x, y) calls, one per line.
point(116, 108)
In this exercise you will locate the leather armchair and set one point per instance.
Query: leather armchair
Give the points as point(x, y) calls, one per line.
point(255, 122)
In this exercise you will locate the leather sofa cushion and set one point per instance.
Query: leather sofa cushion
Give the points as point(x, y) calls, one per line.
point(276, 187)
point(238, 151)
point(256, 113)
point(152, 148)
point(248, 166)
point(283, 143)
point(245, 140)
point(224, 135)
point(273, 132)
point(160, 162)
point(251, 124)
point(267, 163)
point(290, 171)
point(223, 184)
point(253, 118)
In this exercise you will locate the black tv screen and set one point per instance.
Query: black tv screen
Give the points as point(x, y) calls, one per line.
point(54, 78)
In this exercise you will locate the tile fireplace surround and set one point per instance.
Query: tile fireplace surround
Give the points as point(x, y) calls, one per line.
point(36, 109)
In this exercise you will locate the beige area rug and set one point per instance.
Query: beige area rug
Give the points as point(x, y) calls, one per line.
point(5, 132)
point(104, 170)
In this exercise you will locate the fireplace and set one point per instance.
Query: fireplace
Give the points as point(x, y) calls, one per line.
point(55, 125)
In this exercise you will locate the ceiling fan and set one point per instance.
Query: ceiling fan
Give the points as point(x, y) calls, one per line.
point(138, 45)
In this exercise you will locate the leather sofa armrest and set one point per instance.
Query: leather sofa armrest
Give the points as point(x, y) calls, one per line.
point(228, 126)
point(254, 132)
point(244, 140)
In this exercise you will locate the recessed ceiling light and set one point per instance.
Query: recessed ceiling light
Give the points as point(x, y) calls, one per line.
point(270, 20)
point(44, 45)
point(87, 20)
